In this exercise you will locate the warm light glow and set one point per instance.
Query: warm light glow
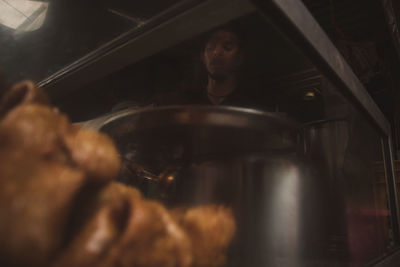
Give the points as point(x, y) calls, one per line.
point(309, 95)
point(22, 15)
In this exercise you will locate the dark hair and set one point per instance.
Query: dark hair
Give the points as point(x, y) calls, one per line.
point(197, 80)
point(231, 27)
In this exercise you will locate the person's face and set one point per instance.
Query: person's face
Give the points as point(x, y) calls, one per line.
point(222, 56)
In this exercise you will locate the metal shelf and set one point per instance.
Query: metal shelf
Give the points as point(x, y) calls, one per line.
point(173, 26)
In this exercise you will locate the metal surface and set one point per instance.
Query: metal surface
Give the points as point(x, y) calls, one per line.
point(391, 260)
point(253, 129)
point(325, 144)
point(292, 209)
point(391, 188)
point(171, 27)
point(299, 26)
point(293, 18)
point(344, 152)
point(245, 159)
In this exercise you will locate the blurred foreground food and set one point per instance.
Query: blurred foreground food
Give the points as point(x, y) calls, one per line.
point(60, 207)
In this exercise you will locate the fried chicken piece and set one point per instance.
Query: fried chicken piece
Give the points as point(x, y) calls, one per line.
point(61, 209)
point(35, 201)
point(152, 238)
point(36, 129)
point(127, 231)
point(35, 126)
point(102, 230)
point(93, 152)
point(22, 93)
point(49, 134)
point(211, 229)
point(39, 181)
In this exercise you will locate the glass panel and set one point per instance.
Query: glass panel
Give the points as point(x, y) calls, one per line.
point(39, 38)
point(344, 174)
point(273, 77)
point(368, 216)
point(351, 160)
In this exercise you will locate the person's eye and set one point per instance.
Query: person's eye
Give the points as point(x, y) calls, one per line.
point(210, 46)
point(228, 46)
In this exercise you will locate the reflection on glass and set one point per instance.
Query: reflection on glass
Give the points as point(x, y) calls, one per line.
point(367, 212)
point(353, 163)
point(39, 38)
point(22, 15)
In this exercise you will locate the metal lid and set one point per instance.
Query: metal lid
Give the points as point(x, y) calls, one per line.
point(200, 130)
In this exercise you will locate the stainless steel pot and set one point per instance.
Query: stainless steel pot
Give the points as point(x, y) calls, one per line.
point(246, 159)
point(326, 143)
